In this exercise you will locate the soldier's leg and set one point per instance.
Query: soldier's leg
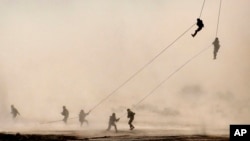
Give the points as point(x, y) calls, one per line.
point(86, 122)
point(132, 126)
point(109, 127)
point(115, 127)
point(130, 123)
point(65, 120)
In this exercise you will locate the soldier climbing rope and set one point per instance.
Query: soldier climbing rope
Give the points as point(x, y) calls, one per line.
point(216, 41)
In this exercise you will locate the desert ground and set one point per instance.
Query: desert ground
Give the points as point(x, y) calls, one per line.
point(102, 135)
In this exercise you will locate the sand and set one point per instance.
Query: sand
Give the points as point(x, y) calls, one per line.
point(102, 135)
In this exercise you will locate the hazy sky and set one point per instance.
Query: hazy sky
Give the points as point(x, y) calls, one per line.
point(76, 52)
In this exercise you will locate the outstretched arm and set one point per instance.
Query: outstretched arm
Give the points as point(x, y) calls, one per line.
point(89, 112)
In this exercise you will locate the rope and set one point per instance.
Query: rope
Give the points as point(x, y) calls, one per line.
point(142, 68)
point(168, 77)
point(202, 8)
point(54, 121)
point(218, 20)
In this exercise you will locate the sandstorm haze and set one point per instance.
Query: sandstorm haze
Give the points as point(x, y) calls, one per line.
point(74, 53)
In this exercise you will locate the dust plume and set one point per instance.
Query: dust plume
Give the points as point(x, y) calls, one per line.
point(75, 53)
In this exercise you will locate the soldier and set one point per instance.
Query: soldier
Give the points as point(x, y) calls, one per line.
point(82, 116)
point(65, 113)
point(14, 111)
point(112, 121)
point(216, 47)
point(131, 116)
point(200, 26)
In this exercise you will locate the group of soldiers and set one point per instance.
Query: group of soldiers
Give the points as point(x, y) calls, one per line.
point(112, 118)
point(82, 116)
point(130, 114)
point(216, 43)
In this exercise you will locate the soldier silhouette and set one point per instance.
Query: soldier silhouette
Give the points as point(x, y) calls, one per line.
point(200, 26)
point(216, 47)
point(14, 111)
point(82, 116)
point(65, 113)
point(112, 121)
point(131, 116)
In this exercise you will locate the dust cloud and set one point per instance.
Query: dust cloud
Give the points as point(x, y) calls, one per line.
point(75, 53)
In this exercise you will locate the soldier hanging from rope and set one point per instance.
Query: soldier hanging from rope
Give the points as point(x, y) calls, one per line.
point(200, 26)
point(216, 47)
point(14, 111)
